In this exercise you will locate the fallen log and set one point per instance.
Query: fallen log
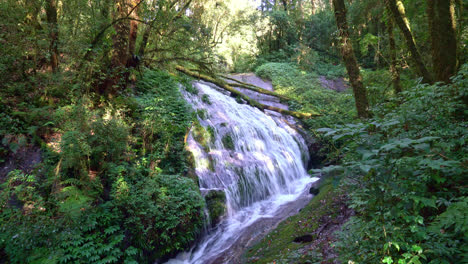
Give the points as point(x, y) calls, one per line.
point(254, 88)
point(222, 84)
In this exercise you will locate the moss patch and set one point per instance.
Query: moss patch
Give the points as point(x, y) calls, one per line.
point(202, 114)
point(228, 142)
point(201, 135)
point(216, 204)
point(279, 246)
point(206, 99)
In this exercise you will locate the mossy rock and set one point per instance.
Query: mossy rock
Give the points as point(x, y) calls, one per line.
point(216, 204)
point(287, 240)
point(211, 131)
point(228, 142)
point(206, 99)
point(201, 135)
point(202, 114)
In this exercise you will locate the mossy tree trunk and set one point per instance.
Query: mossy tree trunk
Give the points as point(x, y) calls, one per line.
point(442, 26)
point(133, 27)
point(51, 14)
point(394, 71)
point(222, 84)
point(397, 9)
point(355, 78)
point(120, 43)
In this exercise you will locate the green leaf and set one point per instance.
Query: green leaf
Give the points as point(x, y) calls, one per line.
point(387, 260)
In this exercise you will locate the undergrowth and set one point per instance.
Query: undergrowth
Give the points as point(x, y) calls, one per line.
point(308, 95)
point(113, 191)
point(407, 169)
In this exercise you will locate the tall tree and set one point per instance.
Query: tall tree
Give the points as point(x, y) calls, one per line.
point(120, 43)
point(360, 97)
point(394, 71)
point(442, 26)
point(51, 13)
point(397, 9)
point(133, 27)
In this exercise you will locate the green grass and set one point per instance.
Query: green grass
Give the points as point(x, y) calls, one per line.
point(308, 95)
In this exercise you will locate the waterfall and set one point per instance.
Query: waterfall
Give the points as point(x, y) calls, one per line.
point(256, 159)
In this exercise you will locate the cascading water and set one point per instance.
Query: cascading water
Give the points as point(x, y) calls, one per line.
point(256, 159)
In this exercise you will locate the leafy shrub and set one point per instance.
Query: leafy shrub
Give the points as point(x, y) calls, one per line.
point(102, 197)
point(406, 168)
point(163, 213)
point(164, 120)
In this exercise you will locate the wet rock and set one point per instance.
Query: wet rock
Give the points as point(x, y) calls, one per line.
point(304, 239)
point(26, 158)
point(216, 204)
point(314, 190)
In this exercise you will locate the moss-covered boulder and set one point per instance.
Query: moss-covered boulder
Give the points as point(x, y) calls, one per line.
point(216, 204)
point(228, 143)
point(201, 135)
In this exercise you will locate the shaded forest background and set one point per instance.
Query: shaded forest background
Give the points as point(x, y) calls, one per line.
point(93, 166)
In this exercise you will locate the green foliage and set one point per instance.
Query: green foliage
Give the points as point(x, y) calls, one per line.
point(227, 142)
point(308, 94)
point(164, 213)
point(101, 195)
point(206, 99)
point(164, 117)
point(216, 205)
point(406, 168)
point(202, 135)
point(320, 30)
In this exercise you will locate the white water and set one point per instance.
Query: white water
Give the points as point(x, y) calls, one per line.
point(260, 176)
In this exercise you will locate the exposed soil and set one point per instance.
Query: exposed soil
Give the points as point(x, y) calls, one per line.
point(25, 159)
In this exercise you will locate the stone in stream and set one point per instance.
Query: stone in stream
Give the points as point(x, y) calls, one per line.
point(314, 190)
point(216, 204)
point(304, 239)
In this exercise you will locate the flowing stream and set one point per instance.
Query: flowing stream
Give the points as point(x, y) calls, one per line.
point(256, 159)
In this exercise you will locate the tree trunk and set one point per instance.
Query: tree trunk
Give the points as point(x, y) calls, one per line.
point(51, 13)
point(121, 38)
point(394, 71)
point(349, 59)
point(442, 26)
point(397, 10)
point(133, 27)
point(116, 77)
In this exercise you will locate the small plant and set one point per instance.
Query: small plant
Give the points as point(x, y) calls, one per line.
point(206, 99)
point(403, 167)
point(228, 143)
